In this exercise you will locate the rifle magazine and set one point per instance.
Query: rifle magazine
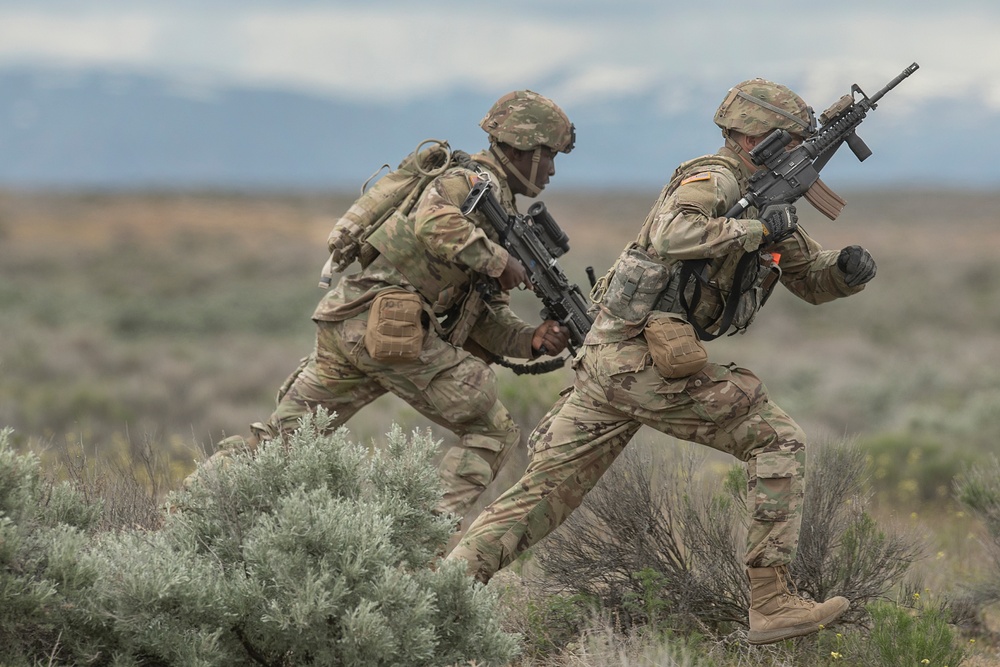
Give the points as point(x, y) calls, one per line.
point(825, 200)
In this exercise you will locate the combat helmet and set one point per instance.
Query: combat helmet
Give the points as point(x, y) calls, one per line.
point(526, 120)
point(757, 107)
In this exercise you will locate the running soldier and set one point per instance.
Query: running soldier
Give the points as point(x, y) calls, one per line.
point(644, 362)
point(416, 320)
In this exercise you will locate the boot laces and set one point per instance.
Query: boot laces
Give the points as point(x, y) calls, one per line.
point(789, 593)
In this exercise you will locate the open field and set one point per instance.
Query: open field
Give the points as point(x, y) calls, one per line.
point(165, 321)
point(174, 317)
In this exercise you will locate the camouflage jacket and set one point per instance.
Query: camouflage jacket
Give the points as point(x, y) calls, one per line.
point(442, 255)
point(687, 223)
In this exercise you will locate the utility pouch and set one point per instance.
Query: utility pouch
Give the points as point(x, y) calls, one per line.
point(635, 286)
point(395, 331)
point(675, 347)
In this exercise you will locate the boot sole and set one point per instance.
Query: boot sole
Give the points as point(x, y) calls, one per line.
point(776, 635)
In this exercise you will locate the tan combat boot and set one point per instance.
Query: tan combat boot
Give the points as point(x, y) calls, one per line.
point(776, 613)
point(224, 450)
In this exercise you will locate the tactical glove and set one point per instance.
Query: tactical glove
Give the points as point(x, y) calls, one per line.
point(780, 221)
point(857, 264)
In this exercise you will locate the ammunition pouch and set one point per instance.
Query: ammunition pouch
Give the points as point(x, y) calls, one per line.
point(395, 331)
point(635, 286)
point(674, 347)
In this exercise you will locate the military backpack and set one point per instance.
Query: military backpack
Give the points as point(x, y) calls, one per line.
point(394, 193)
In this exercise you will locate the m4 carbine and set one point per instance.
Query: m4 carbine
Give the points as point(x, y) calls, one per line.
point(536, 240)
point(785, 176)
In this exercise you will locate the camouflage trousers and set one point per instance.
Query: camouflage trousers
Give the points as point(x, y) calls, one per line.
point(445, 384)
point(617, 390)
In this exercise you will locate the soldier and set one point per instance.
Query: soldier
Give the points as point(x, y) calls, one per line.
point(439, 288)
point(644, 362)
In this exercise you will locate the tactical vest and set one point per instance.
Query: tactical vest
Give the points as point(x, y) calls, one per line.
point(700, 290)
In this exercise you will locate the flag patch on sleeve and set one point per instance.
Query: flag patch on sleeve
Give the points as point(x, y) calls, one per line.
point(703, 176)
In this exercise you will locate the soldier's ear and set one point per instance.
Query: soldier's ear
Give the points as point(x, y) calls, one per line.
point(746, 142)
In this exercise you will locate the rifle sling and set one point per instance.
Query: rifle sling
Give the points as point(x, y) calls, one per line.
point(696, 268)
point(536, 368)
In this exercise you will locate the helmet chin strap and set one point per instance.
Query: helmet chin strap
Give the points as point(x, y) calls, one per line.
point(531, 189)
point(735, 147)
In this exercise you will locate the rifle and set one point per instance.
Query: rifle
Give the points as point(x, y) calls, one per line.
point(536, 240)
point(785, 176)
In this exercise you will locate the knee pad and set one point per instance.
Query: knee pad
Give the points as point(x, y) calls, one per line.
point(466, 465)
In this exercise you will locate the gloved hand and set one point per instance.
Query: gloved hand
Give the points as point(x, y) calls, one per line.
point(780, 221)
point(857, 264)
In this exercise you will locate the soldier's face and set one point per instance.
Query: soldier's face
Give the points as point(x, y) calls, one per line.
point(546, 165)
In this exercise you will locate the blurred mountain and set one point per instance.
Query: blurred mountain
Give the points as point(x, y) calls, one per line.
point(119, 130)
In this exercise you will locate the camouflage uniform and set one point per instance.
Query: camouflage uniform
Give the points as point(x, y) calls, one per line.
point(446, 383)
point(618, 387)
point(450, 262)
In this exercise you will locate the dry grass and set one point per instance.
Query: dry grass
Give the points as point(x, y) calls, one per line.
point(170, 319)
point(176, 316)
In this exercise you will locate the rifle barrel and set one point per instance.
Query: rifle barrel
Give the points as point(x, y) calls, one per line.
point(892, 84)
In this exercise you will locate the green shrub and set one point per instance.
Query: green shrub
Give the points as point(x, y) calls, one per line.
point(45, 573)
point(978, 489)
point(904, 636)
point(552, 622)
point(912, 469)
point(317, 552)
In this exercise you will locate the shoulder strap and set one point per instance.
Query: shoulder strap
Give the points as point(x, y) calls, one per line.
point(696, 268)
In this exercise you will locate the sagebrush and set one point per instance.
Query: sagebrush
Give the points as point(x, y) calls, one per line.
point(315, 551)
point(656, 546)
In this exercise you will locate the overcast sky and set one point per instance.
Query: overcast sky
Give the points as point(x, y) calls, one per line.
point(572, 50)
